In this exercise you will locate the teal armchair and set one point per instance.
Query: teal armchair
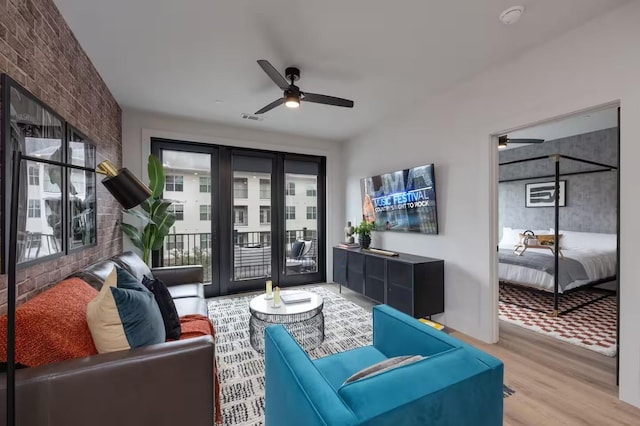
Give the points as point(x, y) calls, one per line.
point(455, 384)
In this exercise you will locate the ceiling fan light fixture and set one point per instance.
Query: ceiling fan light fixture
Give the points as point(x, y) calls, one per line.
point(502, 145)
point(291, 101)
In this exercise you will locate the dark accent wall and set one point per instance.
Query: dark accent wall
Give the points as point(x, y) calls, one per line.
point(590, 198)
point(39, 51)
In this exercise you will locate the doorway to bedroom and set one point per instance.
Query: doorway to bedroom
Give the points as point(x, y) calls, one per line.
point(558, 224)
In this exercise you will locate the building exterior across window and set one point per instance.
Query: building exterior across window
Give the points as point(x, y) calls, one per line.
point(174, 183)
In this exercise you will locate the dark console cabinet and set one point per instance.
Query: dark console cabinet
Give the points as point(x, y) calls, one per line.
point(411, 284)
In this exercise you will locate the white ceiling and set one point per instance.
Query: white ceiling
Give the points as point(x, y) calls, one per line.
point(179, 57)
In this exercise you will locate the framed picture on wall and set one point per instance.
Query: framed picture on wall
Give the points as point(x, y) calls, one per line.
point(542, 194)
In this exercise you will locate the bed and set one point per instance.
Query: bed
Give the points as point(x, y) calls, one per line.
point(589, 258)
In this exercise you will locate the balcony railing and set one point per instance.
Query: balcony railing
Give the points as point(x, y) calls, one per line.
point(251, 253)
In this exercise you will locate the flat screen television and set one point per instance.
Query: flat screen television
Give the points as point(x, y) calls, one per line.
point(403, 201)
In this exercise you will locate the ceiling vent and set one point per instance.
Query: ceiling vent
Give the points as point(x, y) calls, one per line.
point(251, 117)
point(512, 15)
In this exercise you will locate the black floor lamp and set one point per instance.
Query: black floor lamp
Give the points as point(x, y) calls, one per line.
point(124, 187)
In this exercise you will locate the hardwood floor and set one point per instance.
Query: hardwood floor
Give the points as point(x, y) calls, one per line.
point(555, 383)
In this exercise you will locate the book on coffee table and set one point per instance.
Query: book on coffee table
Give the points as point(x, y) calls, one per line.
point(295, 298)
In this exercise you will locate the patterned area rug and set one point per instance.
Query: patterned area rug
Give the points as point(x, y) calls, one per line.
point(241, 369)
point(592, 326)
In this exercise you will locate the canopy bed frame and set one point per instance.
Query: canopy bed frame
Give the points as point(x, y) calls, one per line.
point(579, 167)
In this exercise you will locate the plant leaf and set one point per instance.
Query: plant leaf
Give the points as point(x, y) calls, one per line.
point(162, 231)
point(146, 205)
point(156, 176)
point(134, 234)
point(158, 209)
point(140, 215)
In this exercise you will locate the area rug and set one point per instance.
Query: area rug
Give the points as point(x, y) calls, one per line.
point(592, 326)
point(241, 369)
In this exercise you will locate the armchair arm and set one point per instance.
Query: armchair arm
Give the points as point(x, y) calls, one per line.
point(175, 275)
point(396, 333)
point(450, 388)
point(164, 385)
point(296, 392)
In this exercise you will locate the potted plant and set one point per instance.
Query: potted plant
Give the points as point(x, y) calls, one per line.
point(156, 221)
point(364, 233)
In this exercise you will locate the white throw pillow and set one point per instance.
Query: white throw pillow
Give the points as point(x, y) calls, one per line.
point(572, 240)
point(511, 236)
point(382, 366)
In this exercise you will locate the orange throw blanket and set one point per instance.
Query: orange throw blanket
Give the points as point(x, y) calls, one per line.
point(195, 326)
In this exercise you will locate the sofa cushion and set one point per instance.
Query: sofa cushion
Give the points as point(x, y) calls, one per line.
point(337, 368)
point(186, 290)
point(124, 315)
point(190, 306)
point(166, 305)
point(134, 264)
point(382, 366)
point(95, 274)
point(296, 249)
point(52, 326)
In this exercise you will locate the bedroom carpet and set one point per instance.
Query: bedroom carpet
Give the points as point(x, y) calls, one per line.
point(592, 327)
point(241, 369)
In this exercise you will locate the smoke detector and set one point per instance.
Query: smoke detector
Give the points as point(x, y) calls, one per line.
point(511, 15)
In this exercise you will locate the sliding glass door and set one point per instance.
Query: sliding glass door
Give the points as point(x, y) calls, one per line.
point(246, 215)
point(190, 183)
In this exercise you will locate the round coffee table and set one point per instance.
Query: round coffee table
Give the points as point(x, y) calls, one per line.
point(303, 320)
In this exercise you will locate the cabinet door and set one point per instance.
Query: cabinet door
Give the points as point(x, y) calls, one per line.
point(339, 266)
point(400, 298)
point(400, 286)
point(374, 278)
point(355, 271)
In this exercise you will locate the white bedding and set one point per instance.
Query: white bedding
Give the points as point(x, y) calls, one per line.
point(598, 264)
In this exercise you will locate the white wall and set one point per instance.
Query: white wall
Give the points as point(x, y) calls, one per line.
point(596, 64)
point(139, 127)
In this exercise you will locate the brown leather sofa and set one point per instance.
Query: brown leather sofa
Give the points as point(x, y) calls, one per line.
point(166, 384)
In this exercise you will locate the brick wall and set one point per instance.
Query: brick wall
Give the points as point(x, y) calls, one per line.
point(38, 50)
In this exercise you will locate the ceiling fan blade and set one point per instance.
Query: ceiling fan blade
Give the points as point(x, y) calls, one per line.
point(274, 74)
point(327, 100)
point(271, 106)
point(525, 140)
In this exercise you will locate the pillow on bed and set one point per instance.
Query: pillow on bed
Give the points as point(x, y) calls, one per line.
point(572, 240)
point(511, 236)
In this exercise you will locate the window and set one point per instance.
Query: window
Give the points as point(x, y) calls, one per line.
point(205, 241)
point(240, 214)
point(290, 212)
point(265, 238)
point(290, 188)
point(174, 183)
point(311, 191)
point(265, 189)
point(240, 188)
point(265, 215)
point(177, 210)
point(205, 212)
point(34, 176)
point(50, 186)
point(205, 184)
point(290, 237)
point(240, 239)
point(34, 208)
point(312, 212)
point(175, 242)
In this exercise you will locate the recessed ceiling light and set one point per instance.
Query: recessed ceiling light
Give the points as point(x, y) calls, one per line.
point(511, 15)
point(219, 101)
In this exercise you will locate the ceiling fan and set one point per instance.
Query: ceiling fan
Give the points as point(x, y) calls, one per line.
point(503, 141)
point(292, 94)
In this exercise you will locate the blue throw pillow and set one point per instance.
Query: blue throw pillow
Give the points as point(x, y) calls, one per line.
point(296, 249)
point(124, 315)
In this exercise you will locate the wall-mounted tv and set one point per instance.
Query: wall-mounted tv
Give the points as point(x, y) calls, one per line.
point(402, 201)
